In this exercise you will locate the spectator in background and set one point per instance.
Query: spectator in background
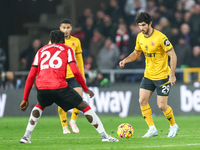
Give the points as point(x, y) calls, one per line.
point(186, 17)
point(86, 14)
point(108, 29)
point(177, 19)
point(195, 19)
point(183, 51)
point(156, 18)
point(114, 11)
point(151, 7)
point(188, 4)
point(195, 60)
point(96, 43)
point(3, 58)
point(78, 32)
point(99, 18)
point(164, 22)
point(175, 34)
point(27, 56)
point(134, 30)
point(88, 32)
point(122, 40)
point(195, 57)
point(134, 7)
point(108, 56)
point(190, 38)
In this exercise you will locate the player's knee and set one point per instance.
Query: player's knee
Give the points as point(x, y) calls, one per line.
point(82, 105)
point(142, 102)
point(161, 106)
point(36, 113)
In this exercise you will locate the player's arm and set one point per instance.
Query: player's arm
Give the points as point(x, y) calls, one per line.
point(29, 83)
point(79, 60)
point(79, 78)
point(132, 57)
point(173, 61)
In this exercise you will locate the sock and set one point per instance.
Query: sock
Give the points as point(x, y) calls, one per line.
point(75, 114)
point(63, 116)
point(170, 116)
point(32, 121)
point(94, 120)
point(147, 114)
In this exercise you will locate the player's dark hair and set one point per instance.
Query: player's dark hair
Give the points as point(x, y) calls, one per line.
point(67, 21)
point(57, 36)
point(143, 16)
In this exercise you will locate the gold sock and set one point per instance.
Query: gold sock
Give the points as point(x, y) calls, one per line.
point(170, 116)
point(147, 114)
point(75, 114)
point(63, 116)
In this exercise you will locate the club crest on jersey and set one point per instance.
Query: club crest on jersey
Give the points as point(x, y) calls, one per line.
point(152, 43)
point(146, 47)
point(166, 42)
point(73, 44)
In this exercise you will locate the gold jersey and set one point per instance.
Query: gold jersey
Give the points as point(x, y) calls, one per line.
point(156, 58)
point(75, 44)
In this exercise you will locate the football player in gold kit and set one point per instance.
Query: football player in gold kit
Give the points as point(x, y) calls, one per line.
point(158, 75)
point(74, 43)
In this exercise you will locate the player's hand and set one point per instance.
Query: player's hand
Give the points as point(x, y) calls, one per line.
point(172, 80)
point(122, 64)
point(24, 105)
point(90, 93)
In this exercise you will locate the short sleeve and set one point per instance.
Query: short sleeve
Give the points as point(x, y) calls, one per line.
point(137, 46)
point(166, 44)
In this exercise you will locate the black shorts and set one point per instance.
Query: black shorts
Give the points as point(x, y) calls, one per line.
point(72, 82)
point(163, 86)
point(67, 98)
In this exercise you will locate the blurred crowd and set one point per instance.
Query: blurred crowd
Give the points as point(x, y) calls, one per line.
point(109, 35)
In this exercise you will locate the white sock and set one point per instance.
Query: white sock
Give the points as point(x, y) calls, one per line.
point(174, 125)
point(73, 121)
point(96, 121)
point(31, 127)
point(152, 127)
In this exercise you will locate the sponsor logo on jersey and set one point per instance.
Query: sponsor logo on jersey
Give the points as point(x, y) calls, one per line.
point(149, 54)
point(73, 44)
point(152, 43)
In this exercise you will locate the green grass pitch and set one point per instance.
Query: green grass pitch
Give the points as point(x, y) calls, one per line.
point(48, 134)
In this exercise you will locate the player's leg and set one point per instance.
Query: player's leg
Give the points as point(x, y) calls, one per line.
point(75, 113)
point(146, 90)
point(147, 112)
point(63, 119)
point(34, 117)
point(96, 122)
point(168, 112)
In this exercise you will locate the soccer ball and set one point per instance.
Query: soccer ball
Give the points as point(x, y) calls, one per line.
point(125, 130)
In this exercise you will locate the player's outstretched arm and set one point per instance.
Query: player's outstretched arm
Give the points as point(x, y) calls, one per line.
point(29, 83)
point(132, 57)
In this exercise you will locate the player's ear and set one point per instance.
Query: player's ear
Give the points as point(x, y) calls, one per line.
point(150, 23)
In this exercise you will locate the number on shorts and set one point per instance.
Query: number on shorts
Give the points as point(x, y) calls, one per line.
point(165, 88)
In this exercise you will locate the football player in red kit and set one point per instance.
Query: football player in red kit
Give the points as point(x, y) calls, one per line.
point(49, 65)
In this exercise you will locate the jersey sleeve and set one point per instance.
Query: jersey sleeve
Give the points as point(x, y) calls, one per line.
point(165, 43)
point(137, 46)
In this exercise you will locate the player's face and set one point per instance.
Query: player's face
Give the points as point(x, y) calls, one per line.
point(66, 29)
point(144, 27)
